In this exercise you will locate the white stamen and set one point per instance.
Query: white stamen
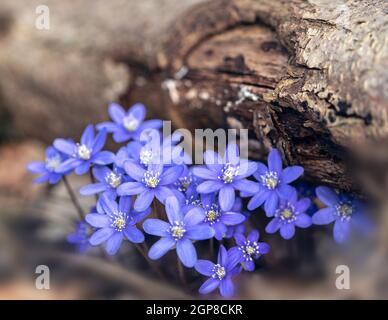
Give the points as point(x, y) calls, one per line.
point(130, 123)
point(83, 152)
point(114, 180)
point(219, 272)
point(270, 180)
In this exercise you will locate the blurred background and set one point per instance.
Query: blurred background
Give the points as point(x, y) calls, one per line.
point(308, 77)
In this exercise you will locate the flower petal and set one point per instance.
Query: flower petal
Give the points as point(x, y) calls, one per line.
point(109, 205)
point(258, 199)
point(327, 196)
point(303, 221)
point(302, 205)
point(186, 252)
point(97, 220)
point(100, 236)
point(209, 285)
point(103, 157)
point(271, 204)
point(156, 227)
point(246, 186)
point(287, 192)
point(194, 216)
point(232, 218)
point(324, 216)
point(212, 158)
point(160, 248)
point(131, 188)
point(101, 172)
point(222, 258)
point(144, 200)
point(170, 175)
point(137, 111)
point(226, 287)
point(341, 231)
point(133, 234)
point(87, 137)
point(199, 232)
point(99, 142)
point(253, 236)
point(36, 167)
point(290, 174)
point(275, 161)
point(273, 226)
point(226, 198)
point(116, 112)
point(173, 210)
point(232, 154)
point(65, 146)
point(209, 186)
point(204, 267)
point(247, 168)
point(205, 173)
point(163, 192)
point(113, 243)
point(287, 231)
point(93, 189)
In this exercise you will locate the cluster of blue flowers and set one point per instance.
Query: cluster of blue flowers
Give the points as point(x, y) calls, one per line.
point(198, 202)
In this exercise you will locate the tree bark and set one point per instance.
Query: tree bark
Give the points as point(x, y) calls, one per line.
point(308, 77)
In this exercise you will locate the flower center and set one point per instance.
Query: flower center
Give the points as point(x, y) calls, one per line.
point(270, 180)
point(84, 152)
point(184, 183)
point(119, 221)
point(145, 157)
point(130, 123)
point(53, 162)
point(177, 230)
point(344, 211)
point(212, 214)
point(114, 180)
point(249, 249)
point(151, 179)
point(219, 272)
point(286, 213)
point(229, 172)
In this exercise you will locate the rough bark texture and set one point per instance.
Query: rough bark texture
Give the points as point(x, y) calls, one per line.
point(306, 76)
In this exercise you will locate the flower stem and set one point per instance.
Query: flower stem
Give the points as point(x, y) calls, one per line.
point(73, 198)
point(181, 271)
point(211, 247)
point(93, 180)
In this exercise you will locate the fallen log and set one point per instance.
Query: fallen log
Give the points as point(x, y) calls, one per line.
point(308, 77)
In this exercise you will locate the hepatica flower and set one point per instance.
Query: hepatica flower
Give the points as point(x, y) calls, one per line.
point(128, 125)
point(248, 249)
point(118, 222)
point(82, 155)
point(345, 211)
point(217, 218)
point(150, 183)
point(108, 181)
point(178, 232)
point(220, 274)
point(80, 237)
point(47, 169)
point(290, 214)
point(225, 175)
point(273, 183)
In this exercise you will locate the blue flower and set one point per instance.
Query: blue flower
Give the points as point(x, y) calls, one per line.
point(344, 211)
point(273, 182)
point(128, 125)
point(290, 213)
point(82, 155)
point(108, 181)
point(225, 174)
point(217, 218)
point(117, 222)
point(220, 274)
point(156, 150)
point(180, 231)
point(47, 169)
point(248, 249)
point(148, 184)
point(80, 237)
